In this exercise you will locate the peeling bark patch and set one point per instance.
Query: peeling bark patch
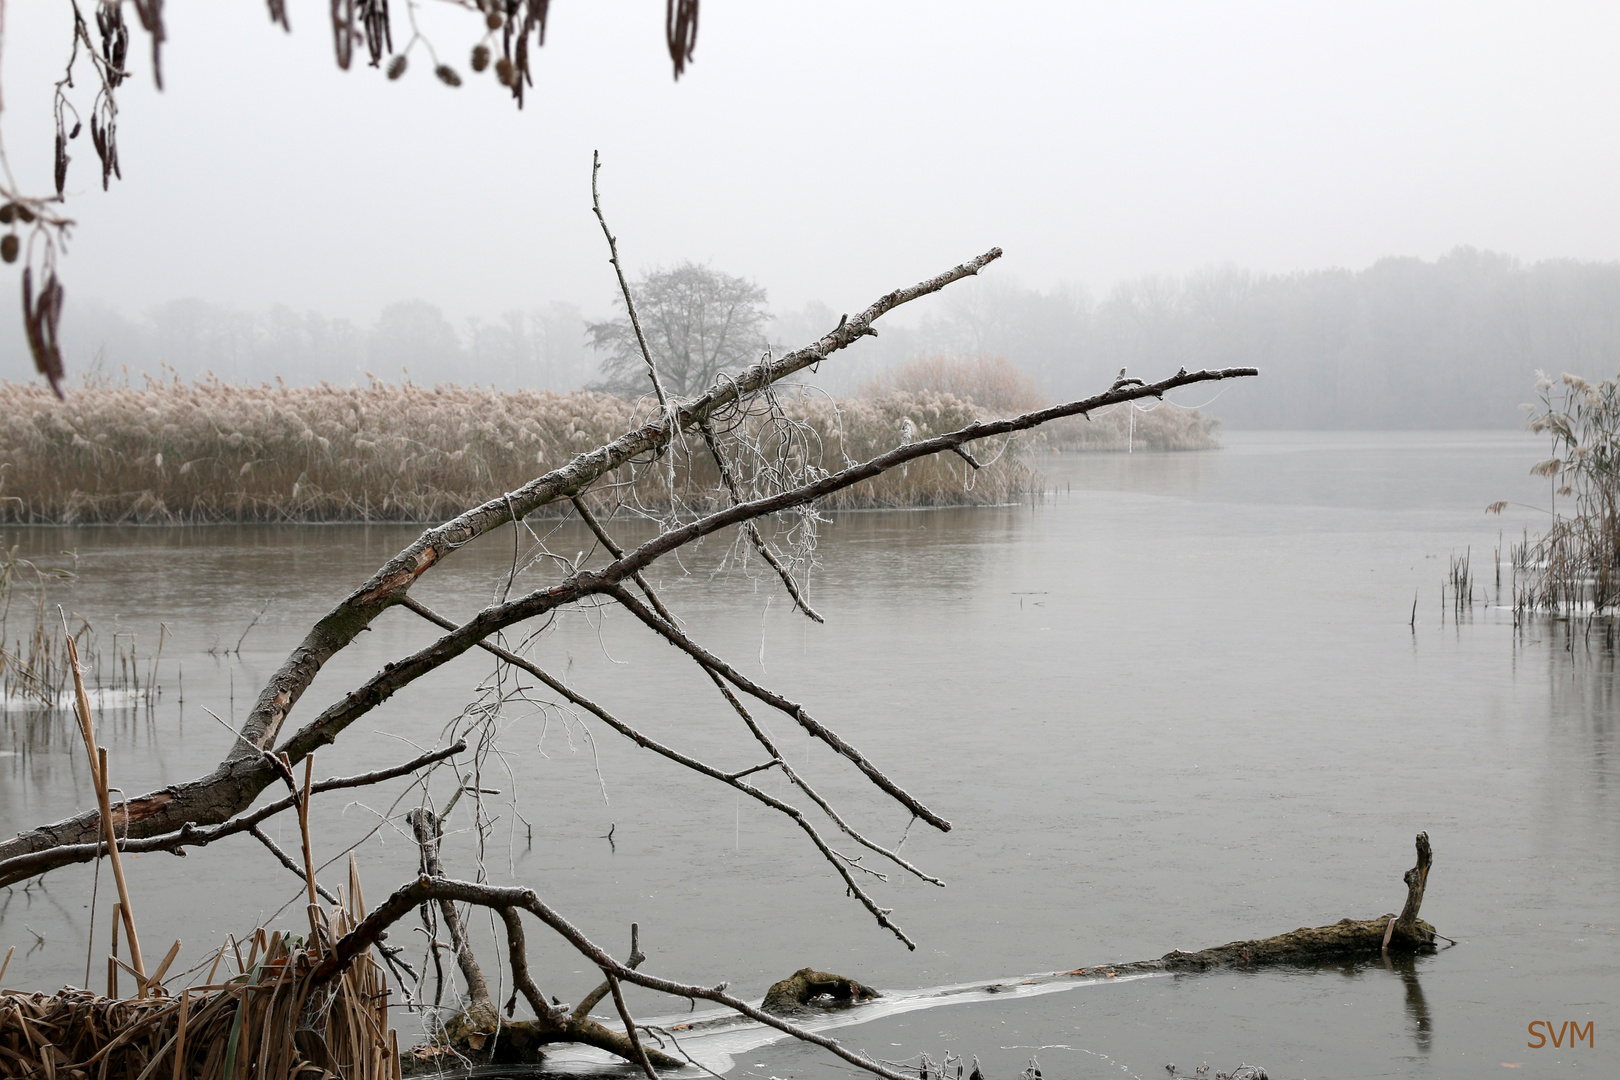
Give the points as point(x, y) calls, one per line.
point(391, 584)
point(143, 808)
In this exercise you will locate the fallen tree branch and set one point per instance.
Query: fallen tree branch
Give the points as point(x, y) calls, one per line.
point(392, 580)
point(190, 834)
point(326, 727)
point(424, 888)
point(837, 860)
point(239, 778)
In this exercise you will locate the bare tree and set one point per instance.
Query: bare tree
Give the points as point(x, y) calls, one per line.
point(698, 323)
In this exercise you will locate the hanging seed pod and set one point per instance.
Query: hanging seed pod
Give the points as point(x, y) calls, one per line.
point(8, 247)
point(24, 215)
point(8, 213)
point(480, 57)
point(493, 20)
point(396, 66)
point(447, 75)
point(504, 71)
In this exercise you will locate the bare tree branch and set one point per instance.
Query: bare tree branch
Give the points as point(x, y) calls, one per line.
point(630, 1027)
point(286, 860)
point(837, 859)
point(352, 944)
point(233, 785)
point(425, 824)
point(190, 834)
point(752, 529)
point(624, 286)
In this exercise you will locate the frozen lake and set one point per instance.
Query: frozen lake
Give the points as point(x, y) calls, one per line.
point(1175, 702)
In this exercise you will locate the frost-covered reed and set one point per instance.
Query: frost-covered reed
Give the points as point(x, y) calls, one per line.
point(213, 451)
point(1574, 567)
point(1001, 388)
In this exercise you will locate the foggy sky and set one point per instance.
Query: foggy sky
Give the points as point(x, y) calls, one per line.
point(829, 150)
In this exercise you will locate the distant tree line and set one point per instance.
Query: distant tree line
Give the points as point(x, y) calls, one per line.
point(1405, 343)
point(541, 348)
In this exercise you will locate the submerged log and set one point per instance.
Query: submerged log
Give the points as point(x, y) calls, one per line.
point(1348, 937)
point(796, 991)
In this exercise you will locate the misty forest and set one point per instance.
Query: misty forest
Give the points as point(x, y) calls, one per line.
point(1109, 567)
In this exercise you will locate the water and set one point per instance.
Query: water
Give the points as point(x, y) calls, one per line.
point(1175, 703)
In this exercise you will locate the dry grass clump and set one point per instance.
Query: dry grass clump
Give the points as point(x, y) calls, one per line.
point(270, 1021)
point(174, 452)
point(35, 664)
point(1000, 388)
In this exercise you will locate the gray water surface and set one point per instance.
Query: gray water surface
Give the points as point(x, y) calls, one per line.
point(1173, 703)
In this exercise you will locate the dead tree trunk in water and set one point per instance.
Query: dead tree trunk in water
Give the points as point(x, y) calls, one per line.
point(1347, 937)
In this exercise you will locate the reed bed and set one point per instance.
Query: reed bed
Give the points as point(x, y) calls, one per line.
point(1574, 567)
point(1161, 426)
point(173, 452)
point(1000, 388)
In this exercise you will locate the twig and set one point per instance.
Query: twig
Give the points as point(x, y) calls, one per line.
point(583, 1009)
point(624, 286)
point(251, 624)
point(881, 914)
point(286, 860)
point(752, 530)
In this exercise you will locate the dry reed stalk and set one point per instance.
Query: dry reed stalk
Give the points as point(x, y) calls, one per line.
point(303, 830)
point(98, 776)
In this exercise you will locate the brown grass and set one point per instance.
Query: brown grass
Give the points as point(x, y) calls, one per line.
point(267, 1021)
point(1000, 388)
point(173, 452)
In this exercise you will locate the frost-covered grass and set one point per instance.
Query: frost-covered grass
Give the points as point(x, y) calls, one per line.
point(1001, 388)
point(214, 451)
